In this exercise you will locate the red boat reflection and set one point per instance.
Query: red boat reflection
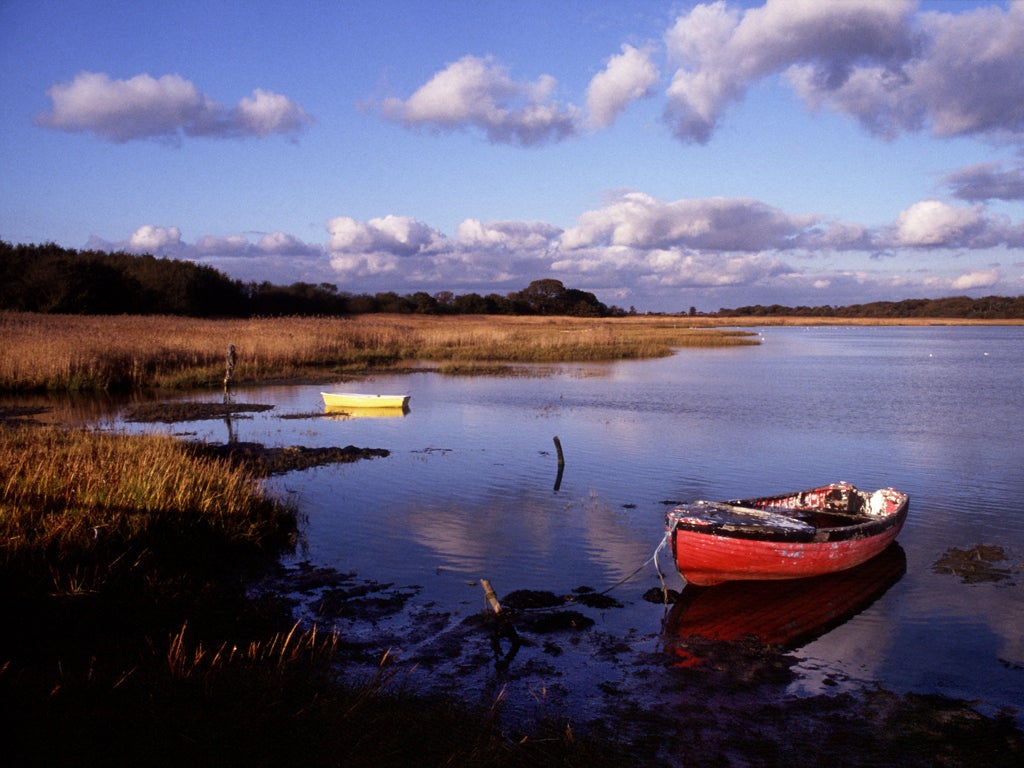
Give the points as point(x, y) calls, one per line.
point(785, 614)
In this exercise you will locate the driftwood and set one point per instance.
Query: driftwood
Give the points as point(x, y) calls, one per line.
point(501, 629)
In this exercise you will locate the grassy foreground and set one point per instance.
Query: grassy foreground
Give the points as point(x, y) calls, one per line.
point(89, 352)
point(129, 638)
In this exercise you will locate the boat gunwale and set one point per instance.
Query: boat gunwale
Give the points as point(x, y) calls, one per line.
point(861, 525)
point(776, 552)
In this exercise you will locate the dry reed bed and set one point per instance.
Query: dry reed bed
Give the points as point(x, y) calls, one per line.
point(79, 510)
point(72, 352)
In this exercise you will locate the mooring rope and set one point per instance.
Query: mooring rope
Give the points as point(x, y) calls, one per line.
point(652, 559)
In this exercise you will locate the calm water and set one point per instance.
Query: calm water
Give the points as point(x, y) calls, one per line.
point(469, 488)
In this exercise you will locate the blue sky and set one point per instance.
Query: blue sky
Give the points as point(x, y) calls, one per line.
point(660, 155)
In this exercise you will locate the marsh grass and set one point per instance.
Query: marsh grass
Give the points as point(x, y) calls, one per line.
point(86, 352)
point(80, 511)
point(130, 639)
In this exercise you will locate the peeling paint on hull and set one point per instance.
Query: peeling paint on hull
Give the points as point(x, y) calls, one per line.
point(790, 536)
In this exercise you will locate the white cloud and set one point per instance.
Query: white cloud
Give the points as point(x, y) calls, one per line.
point(934, 223)
point(980, 278)
point(507, 235)
point(640, 221)
point(629, 76)
point(144, 107)
point(721, 52)
point(892, 68)
point(395, 235)
point(964, 78)
point(267, 113)
point(153, 239)
point(478, 92)
point(278, 243)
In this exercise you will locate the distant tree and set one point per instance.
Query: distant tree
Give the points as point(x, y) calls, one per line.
point(424, 304)
point(551, 297)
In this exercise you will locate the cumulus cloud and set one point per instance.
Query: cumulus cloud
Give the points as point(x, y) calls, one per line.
point(167, 242)
point(153, 239)
point(629, 76)
point(508, 236)
point(663, 271)
point(144, 107)
point(720, 51)
point(987, 181)
point(734, 251)
point(638, 220)
point(935, 224)
point(932, 222)
point(884, 63)
point(396, 236)
point(878, 61)
point(980, 278)
point(964, 78)
point(479, 92)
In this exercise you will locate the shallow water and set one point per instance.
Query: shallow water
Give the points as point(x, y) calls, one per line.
point(469, 490)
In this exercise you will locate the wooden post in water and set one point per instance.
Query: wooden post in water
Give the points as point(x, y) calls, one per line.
point(561, 463)
point(230, 372)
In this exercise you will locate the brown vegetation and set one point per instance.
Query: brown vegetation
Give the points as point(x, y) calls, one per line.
point(129, 633)
point(84, 352)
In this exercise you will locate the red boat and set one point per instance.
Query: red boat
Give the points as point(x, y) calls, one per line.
point(788, 536)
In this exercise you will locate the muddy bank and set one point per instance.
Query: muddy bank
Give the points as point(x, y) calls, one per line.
point(264, 461)
point(261, 460)
point(176, 411)
point(676, 701)
point(21, 414)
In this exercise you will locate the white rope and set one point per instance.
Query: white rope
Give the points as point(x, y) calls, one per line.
point(652, 559)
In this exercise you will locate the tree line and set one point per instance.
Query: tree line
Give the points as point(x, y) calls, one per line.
point(953, 307)
point(52, 279)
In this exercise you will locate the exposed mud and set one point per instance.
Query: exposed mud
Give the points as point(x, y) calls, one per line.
point(261, 460)
point(676, 701)
point(264, 461)
point(174, 411)
point(21, 414)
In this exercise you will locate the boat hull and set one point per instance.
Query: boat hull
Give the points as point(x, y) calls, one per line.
point(353, 400)
point(710, 550)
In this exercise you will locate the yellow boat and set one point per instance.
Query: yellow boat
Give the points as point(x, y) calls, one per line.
point(352, 400)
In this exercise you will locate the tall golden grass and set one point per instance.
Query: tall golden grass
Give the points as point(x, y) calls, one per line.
point(80, 510)
point(72, 352)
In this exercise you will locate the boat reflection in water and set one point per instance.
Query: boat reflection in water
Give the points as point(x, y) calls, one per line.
point(783, 614)
point(340, 412)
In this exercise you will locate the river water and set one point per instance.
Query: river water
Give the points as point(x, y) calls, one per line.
point(471, 488)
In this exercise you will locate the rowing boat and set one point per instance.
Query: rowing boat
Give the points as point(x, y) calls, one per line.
point(353, 400)
point(788, 536)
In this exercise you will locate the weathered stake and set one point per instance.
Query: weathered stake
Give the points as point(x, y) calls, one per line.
point(501, 629)
point(558, 447)
point(561, 464)
point(490, 596)
point(229, 373)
